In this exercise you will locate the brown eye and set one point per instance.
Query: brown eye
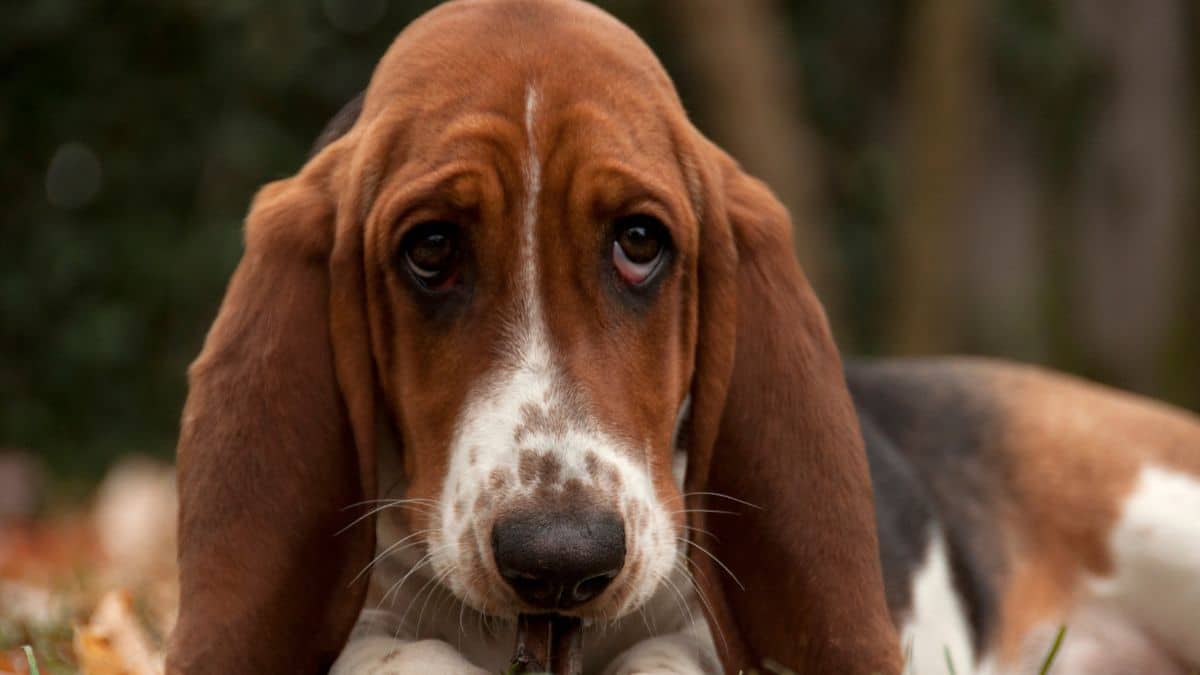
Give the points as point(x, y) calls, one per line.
point(431, 254)
point(639, 247)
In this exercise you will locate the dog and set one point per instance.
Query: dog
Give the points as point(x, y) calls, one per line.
point(519, 339)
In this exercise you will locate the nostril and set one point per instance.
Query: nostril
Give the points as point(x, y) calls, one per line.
point(592, 586)
point(540, 591)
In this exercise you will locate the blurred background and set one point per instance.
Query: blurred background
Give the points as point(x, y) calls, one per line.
point(1008, 177)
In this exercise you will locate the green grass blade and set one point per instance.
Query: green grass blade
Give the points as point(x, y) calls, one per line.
point(949, 661)
point(1058, 640)
point(33, 666)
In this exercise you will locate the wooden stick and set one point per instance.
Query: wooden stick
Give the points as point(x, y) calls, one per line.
point(532, 652)
point(548, 643)
point(566, 646)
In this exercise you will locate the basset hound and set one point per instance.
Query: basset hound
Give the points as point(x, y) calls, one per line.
point(473, 343)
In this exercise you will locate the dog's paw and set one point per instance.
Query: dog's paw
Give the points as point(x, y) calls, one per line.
point(677, 654)
point(385, 656)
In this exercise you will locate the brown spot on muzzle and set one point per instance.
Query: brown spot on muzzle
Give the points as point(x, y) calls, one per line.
point(549, 469)
point(527, 466)
point(540, 470)
point(602, 473)
point(536, 419)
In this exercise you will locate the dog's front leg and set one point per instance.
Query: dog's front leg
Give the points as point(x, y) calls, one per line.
point(372, 651)
point(382, 655)
point(687, 652)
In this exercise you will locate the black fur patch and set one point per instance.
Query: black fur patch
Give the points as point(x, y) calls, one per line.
point(903, 515)
point(932, 433)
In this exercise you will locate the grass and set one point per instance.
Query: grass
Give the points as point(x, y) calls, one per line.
point(32, 660)
point(46, 648)
point(1058, 639)
point(1046, 663)
point(949, 661)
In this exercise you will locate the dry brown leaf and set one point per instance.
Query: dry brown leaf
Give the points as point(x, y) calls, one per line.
point(13, 662)
point(114, 642)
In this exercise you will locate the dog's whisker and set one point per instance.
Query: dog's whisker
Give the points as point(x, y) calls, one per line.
point(416, 632)
point(716, 560)
point(482, 613)
point(681, 565)
point(391, 500)
point(701, 530)
point(684, 495)
point(437, 582)
point(394, 548)
point(719, 511)
point(417, 506)
point(703, 598)
point(448, 596)
point(682, 599)
point(653, 632)
point(425, 560)
point(462, 607)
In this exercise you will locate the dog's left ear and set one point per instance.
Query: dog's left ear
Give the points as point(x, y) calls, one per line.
point(773, 426)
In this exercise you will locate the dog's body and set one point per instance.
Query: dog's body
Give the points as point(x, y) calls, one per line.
point(516, 259)
point(1010, 502)
point(1013, 501)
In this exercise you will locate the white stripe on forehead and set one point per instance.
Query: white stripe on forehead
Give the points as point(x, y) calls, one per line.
point(531, 333)
point(524, 413)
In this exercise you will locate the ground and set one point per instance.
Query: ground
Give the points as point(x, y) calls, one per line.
point(91, 589)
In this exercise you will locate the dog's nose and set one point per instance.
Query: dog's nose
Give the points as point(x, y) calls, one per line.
point(558, 561)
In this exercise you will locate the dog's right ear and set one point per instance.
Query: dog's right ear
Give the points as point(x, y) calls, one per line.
point(276, 443)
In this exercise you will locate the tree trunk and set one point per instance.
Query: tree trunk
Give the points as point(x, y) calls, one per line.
point(941, 101)
point(742, 61)
point(1128, 198)
point(1003, 240)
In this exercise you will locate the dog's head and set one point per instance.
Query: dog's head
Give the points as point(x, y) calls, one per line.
point(521, 257)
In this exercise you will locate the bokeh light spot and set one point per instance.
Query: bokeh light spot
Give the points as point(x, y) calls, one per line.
point(74, 176)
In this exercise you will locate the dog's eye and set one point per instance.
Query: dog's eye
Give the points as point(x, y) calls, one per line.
point(640, 243)
point(431, 254)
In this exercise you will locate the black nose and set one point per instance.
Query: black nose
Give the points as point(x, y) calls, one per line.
point(560, 560)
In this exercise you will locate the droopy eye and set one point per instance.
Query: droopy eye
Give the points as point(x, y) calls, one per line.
point(638, 250)
point(431, 253)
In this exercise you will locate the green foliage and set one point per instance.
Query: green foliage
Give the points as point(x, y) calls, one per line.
point(31, 660)
point(1053, 653)
point(186, 107)
point(133, 135)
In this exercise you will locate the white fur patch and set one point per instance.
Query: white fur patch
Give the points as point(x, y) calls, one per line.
point(937, 624)
point(527, 408)
point(1156, 560)
point(380, 655)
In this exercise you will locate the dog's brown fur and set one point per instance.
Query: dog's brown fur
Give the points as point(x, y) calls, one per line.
point(319, 339)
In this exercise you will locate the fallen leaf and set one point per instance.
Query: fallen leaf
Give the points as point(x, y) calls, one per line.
point(114, 642)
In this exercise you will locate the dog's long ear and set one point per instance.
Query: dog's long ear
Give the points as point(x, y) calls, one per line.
point(276, 443)
point(774, 426)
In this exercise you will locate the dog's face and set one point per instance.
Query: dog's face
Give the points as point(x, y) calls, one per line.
point(545, 259)
point(531, 272)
